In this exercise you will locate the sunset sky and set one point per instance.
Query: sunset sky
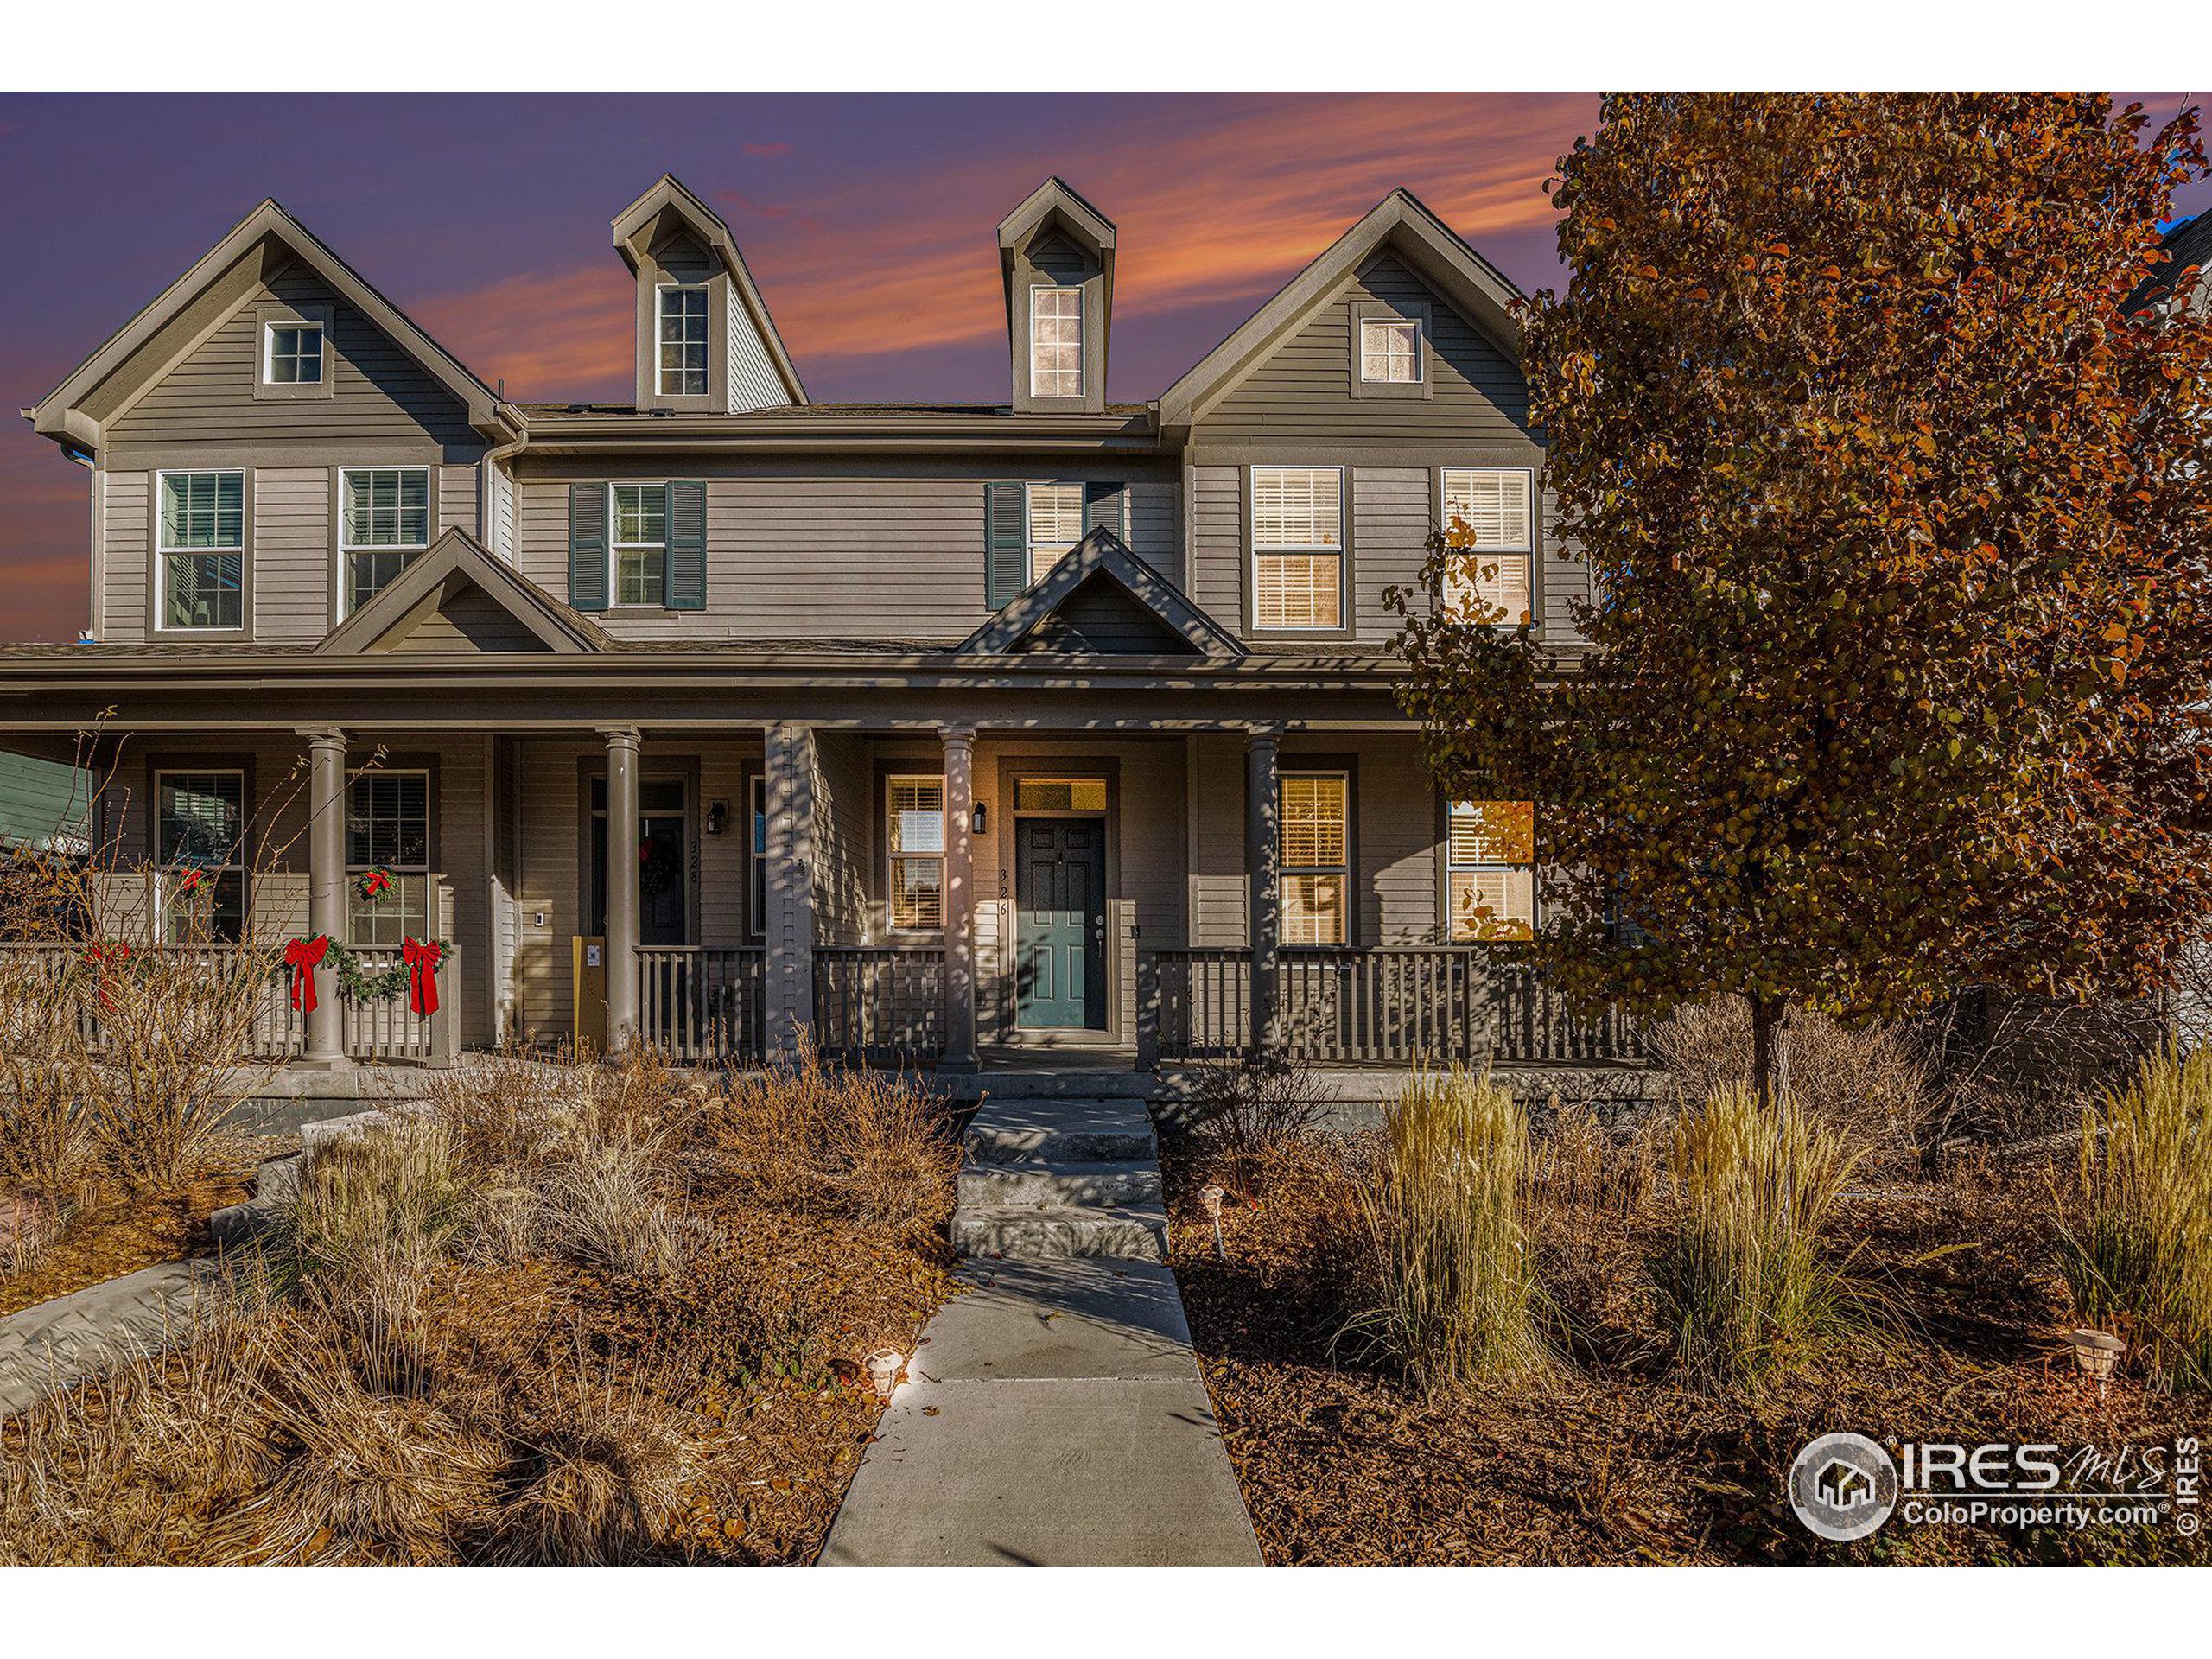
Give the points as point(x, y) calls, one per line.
point(866, 220)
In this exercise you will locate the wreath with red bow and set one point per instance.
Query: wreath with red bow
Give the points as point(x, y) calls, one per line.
point(657, 866)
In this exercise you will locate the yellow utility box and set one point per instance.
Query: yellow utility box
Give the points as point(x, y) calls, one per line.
point(588, 974)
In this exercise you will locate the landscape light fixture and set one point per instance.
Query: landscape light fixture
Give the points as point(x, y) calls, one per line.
point(2097, 1352)
point(883, 1368)
point(1211, 1196)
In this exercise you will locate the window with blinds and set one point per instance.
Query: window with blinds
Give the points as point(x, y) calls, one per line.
point(915, 811)
point(640, 543)
point(1491, 882)
point(1055, 524)
point(1298, 541)
point(1056, 342)
point(386, 520)
point(388, 827)
point(1316, 856)
point(1487, 520)
point(201, 541)
point(199, 840)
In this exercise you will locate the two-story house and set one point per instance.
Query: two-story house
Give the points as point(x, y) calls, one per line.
point(942, 730)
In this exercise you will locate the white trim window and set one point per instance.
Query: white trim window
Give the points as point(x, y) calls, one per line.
point(199, 848)
point(1297, 547)
point(385, 521)
point(1056, 342)
point(1055, 524)
point(1489, 892)
point(388, 827)
point(1488, 520)
point(681, 330)
point(1389, 351)
point(639, 545)
point(292, 353)
point(1316, 856)
point(199, 567)
point(915, 811)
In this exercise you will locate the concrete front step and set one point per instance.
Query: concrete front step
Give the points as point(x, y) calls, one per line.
point(1133, 1232)
point(1074, 1131)
point(1099, 1082)
point(1041, 1186)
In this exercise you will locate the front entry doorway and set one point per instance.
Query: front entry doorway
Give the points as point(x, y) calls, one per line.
point(1060, 923)
point(663, 861)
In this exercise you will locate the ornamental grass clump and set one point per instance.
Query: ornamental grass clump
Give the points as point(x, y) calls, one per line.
point(2137, 1252)
point(1747, 1288)
point(1453, 1280)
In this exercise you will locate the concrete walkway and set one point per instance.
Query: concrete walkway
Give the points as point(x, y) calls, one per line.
point(1054, 1415)
point(76, 1338)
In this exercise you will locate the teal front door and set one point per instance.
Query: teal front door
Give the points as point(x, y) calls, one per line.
point(1060, 930)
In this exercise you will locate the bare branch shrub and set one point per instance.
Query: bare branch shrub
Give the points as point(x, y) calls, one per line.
point(1248, 1113)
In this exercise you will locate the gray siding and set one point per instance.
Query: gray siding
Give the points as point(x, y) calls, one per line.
point(291, 554)
point(378, 392)
point(843, 835)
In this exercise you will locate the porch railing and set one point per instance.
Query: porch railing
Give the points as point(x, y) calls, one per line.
point(1387, 1006)
point(385, 1028)
point(880, 1004)
point(702, 1004)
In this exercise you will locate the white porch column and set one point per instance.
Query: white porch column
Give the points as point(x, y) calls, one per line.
point(622, 743)
point(959, 900)
point(790, 768)
point(326, 1043)
point(1263, 863)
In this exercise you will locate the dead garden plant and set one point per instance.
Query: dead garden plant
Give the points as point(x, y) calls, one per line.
point(1246, 1115)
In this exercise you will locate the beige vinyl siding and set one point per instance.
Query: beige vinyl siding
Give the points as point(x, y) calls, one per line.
point(753, 382)
point(126, 533)
point(1218, 550)
point(1394, 806)
point(1391, 518)
point(378, 391)
point(456, 503)
point(843, 819)
point(1303, 389)
point(843, 549)
point(1220, 908)
point(291, 555)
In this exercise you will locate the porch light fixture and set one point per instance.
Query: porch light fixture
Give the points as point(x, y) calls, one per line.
point(981, 815)
point(2097, 1352)
point(883, 1368)
point(717, 818)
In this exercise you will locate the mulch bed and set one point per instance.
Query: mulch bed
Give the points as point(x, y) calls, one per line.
point(1615, 1459)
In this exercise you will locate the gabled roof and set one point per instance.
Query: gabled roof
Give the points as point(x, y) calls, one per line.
point(231, 265)
point(1102, 556)
point(1429, 247)
point(454, 563)
point(633, 228)
point(1058, 201)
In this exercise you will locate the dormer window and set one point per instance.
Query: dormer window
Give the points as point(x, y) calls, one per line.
point(1389, 351)
point(292, 354)
point(684, 341)
point(1056, 342)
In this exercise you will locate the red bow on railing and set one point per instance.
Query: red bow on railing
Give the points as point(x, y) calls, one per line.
point(302, 958)
point(421, 957)
point(100, 955)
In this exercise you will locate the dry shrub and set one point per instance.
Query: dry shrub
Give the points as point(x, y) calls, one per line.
point(1248, 1114)
point(45, 1143)
point(2137, 1248)
point(868, 1146)
point(1580, 1166)
point(1747, 1288)
point(1868, 1080)
point(602, 1209)
point(1453, 1280)
point(604, 1471)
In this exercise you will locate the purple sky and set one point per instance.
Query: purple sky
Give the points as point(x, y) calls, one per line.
point(866, 220)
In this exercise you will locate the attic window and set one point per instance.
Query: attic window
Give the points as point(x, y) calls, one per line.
point(292, 354)
point(684, 342)
point(1389, 351)
point(1056, 342)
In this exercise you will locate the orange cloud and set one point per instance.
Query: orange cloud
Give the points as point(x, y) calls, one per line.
point(560, 334)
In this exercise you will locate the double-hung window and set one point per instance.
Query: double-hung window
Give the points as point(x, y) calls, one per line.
point(201, 551)
point(200, 842)
point(1055, 524)
point(385, 522)
point(388, 827)
point(291, 354)
point(1389, 351)
point(1316, 856)
point(914, 808)
point(1491, 879)
point(1056, 342)
point(1297, 547)
point(1488, 523)
point(640, 543)
point(683, 326)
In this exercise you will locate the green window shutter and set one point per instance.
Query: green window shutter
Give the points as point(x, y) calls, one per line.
point(588, 546)
point(687, 547)
point(1005, 543)
point(1106, 506)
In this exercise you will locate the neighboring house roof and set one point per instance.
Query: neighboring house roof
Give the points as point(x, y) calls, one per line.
point(45, 805)
point(440, 581)
point(1429, 247)
point(635, 222)
point(1101, 556)
point(2189, 244)
point(211, 291)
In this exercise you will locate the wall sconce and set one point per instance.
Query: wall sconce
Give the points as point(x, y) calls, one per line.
point(980, 819)
point(717, 818)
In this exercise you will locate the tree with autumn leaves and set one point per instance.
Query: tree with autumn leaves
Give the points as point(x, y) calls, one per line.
point(1897, 525)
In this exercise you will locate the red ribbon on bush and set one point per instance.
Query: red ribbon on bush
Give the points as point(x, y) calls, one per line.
point(302, 958)
point(421, 957)
point(100, 955)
